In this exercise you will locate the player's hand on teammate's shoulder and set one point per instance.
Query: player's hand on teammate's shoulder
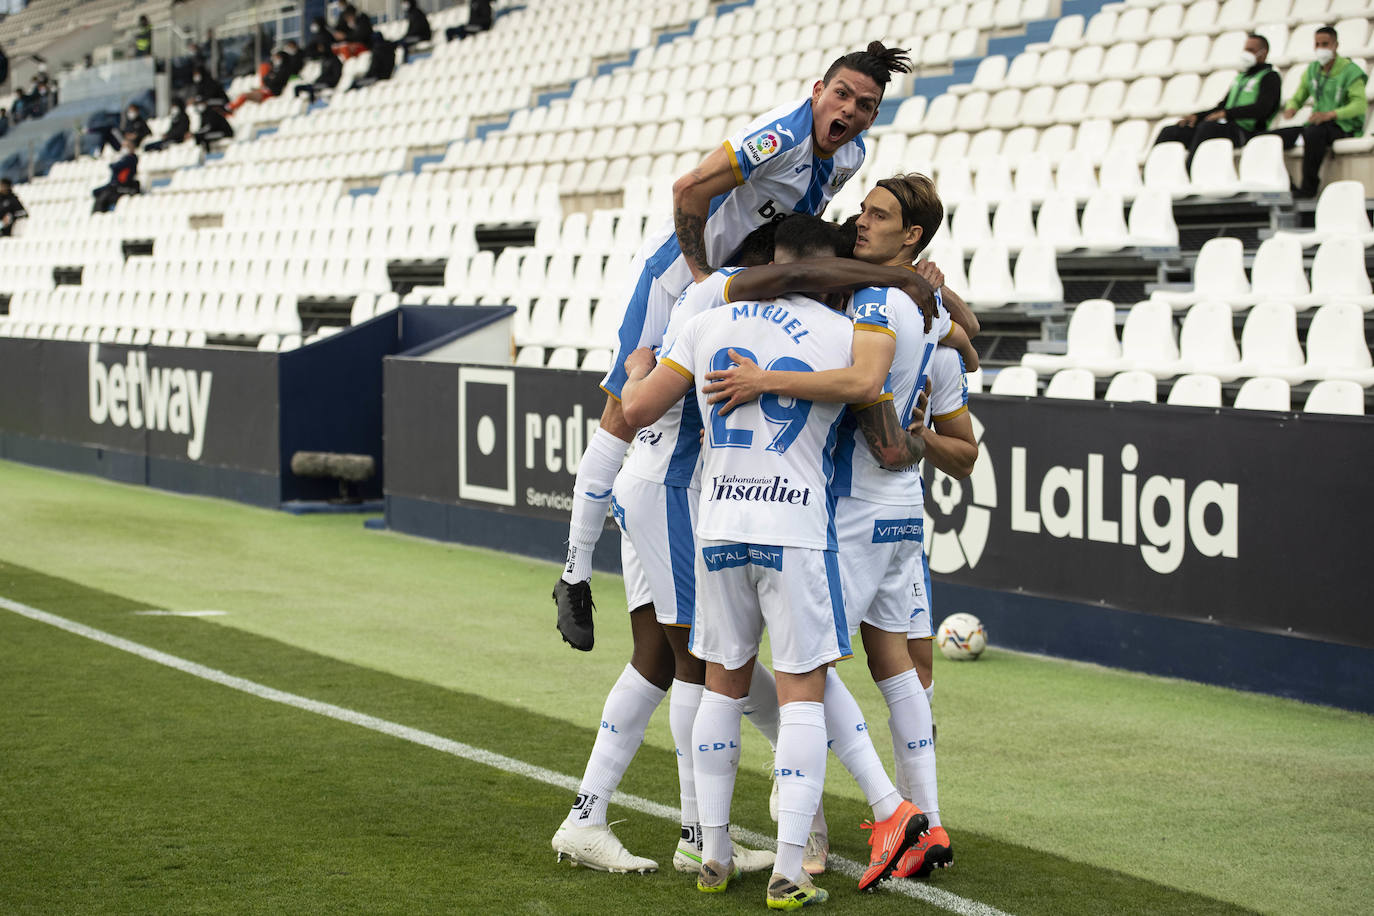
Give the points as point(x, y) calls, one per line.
point(922, 292)
point(928, 271)
point(643, 360)
point(737, 385)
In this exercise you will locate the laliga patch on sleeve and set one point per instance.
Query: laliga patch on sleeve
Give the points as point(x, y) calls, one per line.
point(762, 145)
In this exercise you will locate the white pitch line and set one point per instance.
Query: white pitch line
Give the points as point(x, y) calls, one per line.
point(932, 895)
point(158, 612)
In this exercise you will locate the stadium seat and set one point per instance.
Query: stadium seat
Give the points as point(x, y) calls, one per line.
point(1261, 166)
point(1165, 169)
point(1335, 396)
point(1195, 391)
point(1269, 344)
point(530, 356)
point(1151, 221)
point(1133, 386)
point(1214, 169)
point(1075, 384)
point(1340, 211)
point(1012, 224)
point(1264, 394)
point(990, 280)
point(1336, 345)
point(1036, 278)
point(1207, 343)
point(1277, 274)
point(1033, 178)
point(1057, 223)
point(969, 225)
point(597, 360)
point(1075, 175)
point(1147, 341)
point(563, 358)
point(1104, 222)
point(1015, 380)
point(1339, 275)
point(1119, 172)
point(1090, 341)
point(1218, 274)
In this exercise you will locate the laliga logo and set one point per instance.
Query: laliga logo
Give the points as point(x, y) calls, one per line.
point(951, 549)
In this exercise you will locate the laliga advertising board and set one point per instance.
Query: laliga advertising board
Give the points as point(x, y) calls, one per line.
point(1225, 517)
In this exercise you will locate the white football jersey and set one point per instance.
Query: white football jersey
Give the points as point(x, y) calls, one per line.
point(778, 173)
point(890, 311)
point(948, 386)
point(767, 465)
point(668, 451)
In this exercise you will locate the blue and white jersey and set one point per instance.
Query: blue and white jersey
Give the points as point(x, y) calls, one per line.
point(767, 465)
point(668, 451)
point(948, 386)
point(889, 311)
point(777, 173)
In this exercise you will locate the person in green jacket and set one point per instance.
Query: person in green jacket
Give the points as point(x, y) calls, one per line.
point(143, 38)
point(1248, 108)
point(1335, 87)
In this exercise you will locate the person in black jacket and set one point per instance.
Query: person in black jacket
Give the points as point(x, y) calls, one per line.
point(213, 123)
point(131, 121)
point(331, 69)
point(273, 82)
point(319, 41)
point(294, 58)
point(178, 129)
point(1247, 110)
point(417, 29)
point(479, 20)
point(205, 86)
point(123, 180)
point(10, 207)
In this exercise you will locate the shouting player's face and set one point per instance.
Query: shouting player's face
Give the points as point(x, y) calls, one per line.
point(842, 109)
point(882, 238)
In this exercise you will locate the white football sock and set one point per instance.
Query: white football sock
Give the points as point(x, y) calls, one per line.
point(591, 499)
point(761, 705)
point(628, 707)
point(912, 742)
point(682, 713)
point(800, 769)
point(715, 760)
point(848, 731)
point(930, 692)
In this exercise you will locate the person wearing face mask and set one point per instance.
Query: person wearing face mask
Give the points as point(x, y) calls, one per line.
point(417, 28)
point(213, 123)
point(1335, 86)
point(1247, 110)
point(178, 129)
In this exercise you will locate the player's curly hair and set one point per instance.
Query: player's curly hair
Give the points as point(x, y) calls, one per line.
point(805, 236)
point(877, 62)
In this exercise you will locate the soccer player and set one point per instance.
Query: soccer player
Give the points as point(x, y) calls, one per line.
point(792, 159)
point(952, 447)
point(879, 516)
point(766, 540)
point(654, 502)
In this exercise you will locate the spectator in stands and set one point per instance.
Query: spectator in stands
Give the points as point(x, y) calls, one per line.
point(4, 67)
point(1335, 87)
point(479, 20)
point(178, 129)
point(1248, 108)
point(295, 58)
point(321, 40)
point(331, 69)
point(354, 34)
point(417, 28)
point(123, 178)
point(131, 121)
point(10, 207)
point(214, 125)
point(205, 86)
point(143, 38)
point(382, 64)
point(273, 82)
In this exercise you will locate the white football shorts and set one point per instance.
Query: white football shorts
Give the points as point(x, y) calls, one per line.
point(794, 591)
point(657, 547)
point(881, 564)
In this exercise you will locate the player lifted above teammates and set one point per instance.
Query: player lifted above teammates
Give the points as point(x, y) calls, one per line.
point(791, 160)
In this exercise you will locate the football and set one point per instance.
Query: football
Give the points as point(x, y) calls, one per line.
point(961, 637)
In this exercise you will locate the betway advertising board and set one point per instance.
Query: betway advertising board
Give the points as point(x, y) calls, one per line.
point(1245, 518)
point(206, 406)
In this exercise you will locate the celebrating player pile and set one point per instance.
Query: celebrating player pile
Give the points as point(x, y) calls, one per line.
point(744, 504)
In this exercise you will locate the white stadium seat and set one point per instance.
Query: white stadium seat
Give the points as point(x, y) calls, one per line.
point(1264, 394)
point(1196, 391)
point(1133, 386)
point(1015, 380)
point(1075, 384)
point(1335, 397)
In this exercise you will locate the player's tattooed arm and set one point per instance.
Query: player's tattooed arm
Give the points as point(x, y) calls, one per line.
point(889, 442)
point(692, 194)
point(691, 237)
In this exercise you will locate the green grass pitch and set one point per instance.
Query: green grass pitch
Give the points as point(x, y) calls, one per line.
point(129, 787)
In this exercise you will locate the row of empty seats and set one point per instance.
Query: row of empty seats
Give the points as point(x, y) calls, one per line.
point(1194, 390)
